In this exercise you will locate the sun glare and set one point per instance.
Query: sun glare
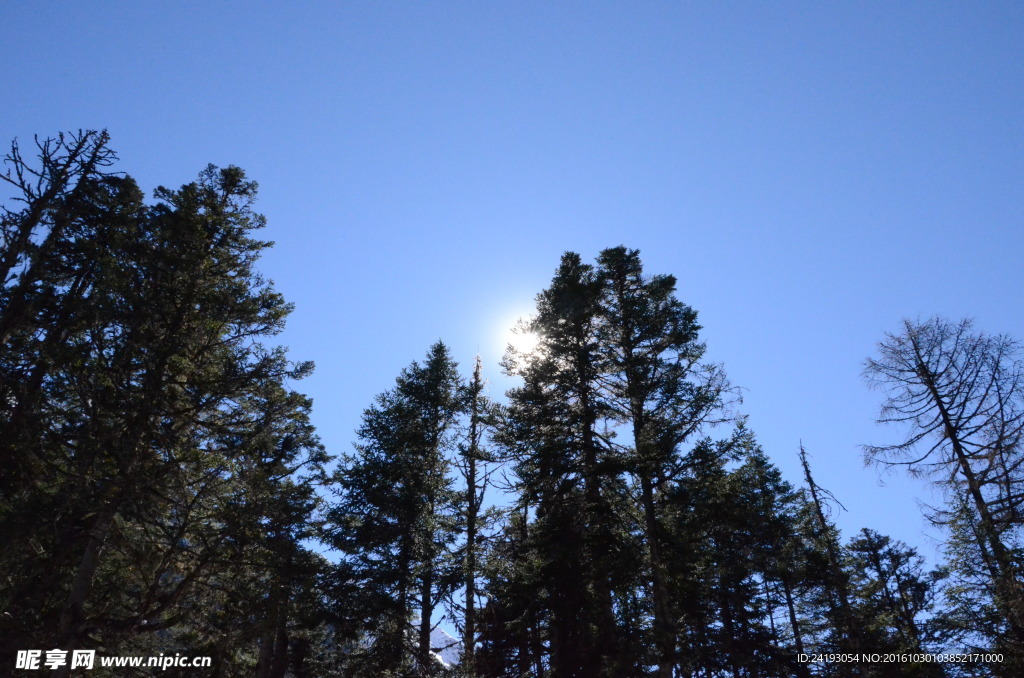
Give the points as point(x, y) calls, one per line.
point(522, 341)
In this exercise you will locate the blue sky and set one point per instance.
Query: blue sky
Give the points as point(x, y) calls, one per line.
point(811, 173)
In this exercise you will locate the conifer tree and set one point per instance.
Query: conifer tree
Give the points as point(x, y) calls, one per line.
point(395, 520)
point(611, 395)
point(961, 394)
point(657, 387)
point(562, 457)
point(513, 623)
point(970, 619)
point(835, 576)
point(472, 463)
point(893, 600)
point(133, 368)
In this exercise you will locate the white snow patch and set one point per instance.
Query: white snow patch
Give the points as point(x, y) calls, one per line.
point(448, 650)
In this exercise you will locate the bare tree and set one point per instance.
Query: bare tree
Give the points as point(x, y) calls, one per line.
point(962, 395)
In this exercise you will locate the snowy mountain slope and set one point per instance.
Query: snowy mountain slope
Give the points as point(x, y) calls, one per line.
point(445, 648)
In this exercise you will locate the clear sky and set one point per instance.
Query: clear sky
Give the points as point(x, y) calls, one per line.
point(811, 172)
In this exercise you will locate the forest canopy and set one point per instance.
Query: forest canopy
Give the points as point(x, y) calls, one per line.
point(164, 489)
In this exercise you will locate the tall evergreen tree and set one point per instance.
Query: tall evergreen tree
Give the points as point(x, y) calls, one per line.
point(133, 351)
point(473, 463)
point(557, 435)
point(835, 576)
point(513, 630)
point(656, 386)
point(395, 520)
point(611, 395)
point(893, 600)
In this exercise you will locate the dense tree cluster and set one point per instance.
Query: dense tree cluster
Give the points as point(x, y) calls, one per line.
point(163, 490)
point(159, 473)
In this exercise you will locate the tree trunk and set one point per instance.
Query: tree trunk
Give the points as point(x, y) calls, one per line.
point(664, 638)
point(472, 507)
point(798, 641)
point(849, 633)
point(69, 629)
point(1008, 593)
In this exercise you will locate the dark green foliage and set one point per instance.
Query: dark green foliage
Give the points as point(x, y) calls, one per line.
point(161, 480)
point(475, 464)
point(659, 390)
point(395, 520)
point(729, 523)
point(893, 600)
point(140, 413)
point(511, 633)
point(556, 432)
point(629, 531)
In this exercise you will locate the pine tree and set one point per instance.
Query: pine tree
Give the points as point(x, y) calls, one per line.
point(396, 517)
point(658, 388)
point(566, 467)
point(961, 394)
point(473, 465)
point(835, 577)
point(893, 600)
point(971, 618)
point(513, 629)
point(133, 346)
point(611, 395)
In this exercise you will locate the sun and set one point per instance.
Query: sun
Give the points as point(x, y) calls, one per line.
point(518, 335)
point(522, 340)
